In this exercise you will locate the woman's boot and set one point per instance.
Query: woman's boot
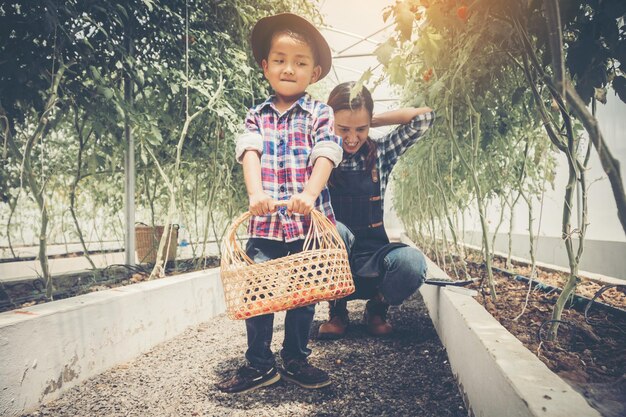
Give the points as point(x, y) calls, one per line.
point(376, 317)
point(337, 324)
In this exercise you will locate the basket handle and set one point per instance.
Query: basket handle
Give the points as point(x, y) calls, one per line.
point(322, 234)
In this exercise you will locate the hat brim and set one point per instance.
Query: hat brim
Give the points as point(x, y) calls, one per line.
point(262, 35)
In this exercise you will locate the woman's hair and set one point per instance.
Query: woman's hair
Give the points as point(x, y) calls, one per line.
point(339, 99)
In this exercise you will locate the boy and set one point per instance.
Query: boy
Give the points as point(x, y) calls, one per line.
point(288, 153)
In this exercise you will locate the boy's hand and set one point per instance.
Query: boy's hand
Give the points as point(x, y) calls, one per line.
point(301, 203)
point(261, 204)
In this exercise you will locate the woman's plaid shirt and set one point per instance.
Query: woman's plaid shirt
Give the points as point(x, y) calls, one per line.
point(291, 142)
point(390, 147)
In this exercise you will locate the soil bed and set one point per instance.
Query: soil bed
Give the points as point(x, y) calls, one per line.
point(407, 374)
point(589, 354)
point(74, 254)
point(28, 292)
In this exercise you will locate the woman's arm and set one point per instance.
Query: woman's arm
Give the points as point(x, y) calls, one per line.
point(398, 117)
point(396, 142)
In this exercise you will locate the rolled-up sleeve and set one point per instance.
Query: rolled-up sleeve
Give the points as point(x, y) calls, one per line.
point(395, 143)
point(326, 143)
point(250, 140)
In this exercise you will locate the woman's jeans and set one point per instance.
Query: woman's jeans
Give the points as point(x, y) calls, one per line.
point(403, 270)
point(297, 321)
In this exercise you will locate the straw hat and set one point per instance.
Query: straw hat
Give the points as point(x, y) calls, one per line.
point(264, 29)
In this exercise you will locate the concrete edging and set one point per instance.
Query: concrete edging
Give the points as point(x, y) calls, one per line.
point(48, 348)
point(497, 375)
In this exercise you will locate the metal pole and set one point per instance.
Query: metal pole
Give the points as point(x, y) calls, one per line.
point(129, 170)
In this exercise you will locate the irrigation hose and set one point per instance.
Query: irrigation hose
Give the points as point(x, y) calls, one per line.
point(568, 323)
point(593, 299)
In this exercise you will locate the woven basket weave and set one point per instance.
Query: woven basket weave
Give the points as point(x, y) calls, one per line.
point(147, 241)
point(320, 272)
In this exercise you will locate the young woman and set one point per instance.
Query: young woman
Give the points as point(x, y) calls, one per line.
point(384, 273)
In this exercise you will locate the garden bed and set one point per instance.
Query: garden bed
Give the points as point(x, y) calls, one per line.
point(27, 292)
point(590, 352)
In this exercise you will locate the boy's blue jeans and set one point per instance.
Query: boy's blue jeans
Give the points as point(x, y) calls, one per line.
point(261, 328)
point(404, 270)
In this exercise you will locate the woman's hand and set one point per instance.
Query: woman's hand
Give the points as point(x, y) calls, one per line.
point(301, 203)
point(261, 204)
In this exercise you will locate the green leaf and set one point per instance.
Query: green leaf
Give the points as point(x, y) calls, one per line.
point(143, 156)
point(600, 94)
point(387, 13)
point(619, 85)
point(92, 164)
point(358, 86)
point(149, 4)
point(106, 92)
point(95, 74)
point(397, 71)
point(435, 89)
point(404, 20)
point(517, 95)
point(154, 138)
point(122, 10)
point(385, 51)
point(86, 42)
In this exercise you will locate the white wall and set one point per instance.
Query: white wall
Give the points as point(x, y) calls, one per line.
point(48, 348)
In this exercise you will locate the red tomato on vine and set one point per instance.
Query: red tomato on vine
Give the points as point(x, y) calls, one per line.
point(463, 13)
point(427, 75)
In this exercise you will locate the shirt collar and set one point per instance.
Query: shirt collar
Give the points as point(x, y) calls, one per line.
point(305, 103)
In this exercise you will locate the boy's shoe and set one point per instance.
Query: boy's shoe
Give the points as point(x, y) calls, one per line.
point(301, 372)
point(247, 379)
point(337, 324)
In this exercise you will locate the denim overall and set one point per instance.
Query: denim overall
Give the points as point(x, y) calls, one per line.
point(393, 269)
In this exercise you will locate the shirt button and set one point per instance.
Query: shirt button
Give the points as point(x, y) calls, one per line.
point(280, 142)
point(282, 188)
point(281, 164)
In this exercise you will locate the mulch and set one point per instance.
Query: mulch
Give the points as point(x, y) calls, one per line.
point(589, 353)
point(407, 374)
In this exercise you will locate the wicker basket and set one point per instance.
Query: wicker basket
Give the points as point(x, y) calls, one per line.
point(320, 272)
point(147, 240)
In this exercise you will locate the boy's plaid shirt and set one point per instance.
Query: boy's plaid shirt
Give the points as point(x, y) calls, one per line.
point(288, 140)
point(390, 147)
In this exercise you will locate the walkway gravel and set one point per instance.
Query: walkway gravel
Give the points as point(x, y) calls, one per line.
point(405, 375)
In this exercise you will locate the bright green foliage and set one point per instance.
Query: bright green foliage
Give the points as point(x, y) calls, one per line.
point(102, 44)
point(486, 134)
point(461, 68)
point(497, 75)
